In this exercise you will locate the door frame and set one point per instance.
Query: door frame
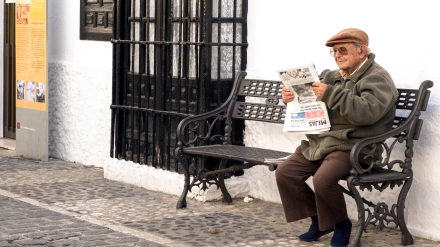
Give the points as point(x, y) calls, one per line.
point(7, 66)
point(2, 40)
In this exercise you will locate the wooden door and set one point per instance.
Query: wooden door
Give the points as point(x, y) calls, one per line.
point(9, 96)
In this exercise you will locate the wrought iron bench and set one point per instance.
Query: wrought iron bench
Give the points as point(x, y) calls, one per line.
point(379, 175)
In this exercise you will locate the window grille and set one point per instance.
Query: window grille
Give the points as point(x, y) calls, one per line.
point(171, 59)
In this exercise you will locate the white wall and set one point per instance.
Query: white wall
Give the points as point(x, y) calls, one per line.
point(79, 89)
point(282, 34)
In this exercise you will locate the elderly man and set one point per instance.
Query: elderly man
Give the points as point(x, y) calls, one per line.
point(360, 97)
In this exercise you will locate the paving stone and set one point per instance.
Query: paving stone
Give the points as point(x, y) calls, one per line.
point(98, 232)
point(78, 225)
point(94, 238)
point(10, 237)
point(19, 231)
point(37, 235)
point(31, 242)
point(94, 243)
point(64, 236)
point(125, 240)
point(68, 242)
point(83, 191)
point(146, 244)
point(6, 244)
point(46, 236)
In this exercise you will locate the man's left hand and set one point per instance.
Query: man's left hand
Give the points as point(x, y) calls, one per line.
point(319, 88)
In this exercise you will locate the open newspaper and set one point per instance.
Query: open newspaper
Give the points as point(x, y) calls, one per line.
point(306, 112)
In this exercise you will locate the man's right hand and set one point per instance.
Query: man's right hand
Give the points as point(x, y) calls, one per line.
point(287, 95)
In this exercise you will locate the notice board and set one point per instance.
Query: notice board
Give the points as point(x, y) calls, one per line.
point(31, 74)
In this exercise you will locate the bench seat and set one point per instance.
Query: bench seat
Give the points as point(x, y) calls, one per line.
point(257, 155)
point(380, 176)
point(240, 153)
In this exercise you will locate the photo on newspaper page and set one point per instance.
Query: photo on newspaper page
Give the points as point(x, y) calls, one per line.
point(306, 113)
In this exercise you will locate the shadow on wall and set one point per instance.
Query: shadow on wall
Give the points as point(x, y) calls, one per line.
point(54, 86)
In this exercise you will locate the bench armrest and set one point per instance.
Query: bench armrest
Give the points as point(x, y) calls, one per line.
point(218, 114)
point(358, 152)
point(408, 131)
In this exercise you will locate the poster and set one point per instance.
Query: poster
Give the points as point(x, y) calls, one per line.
point(31, 74)
point(31, 66)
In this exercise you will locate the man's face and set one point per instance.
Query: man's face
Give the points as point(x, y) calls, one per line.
point(351, 60)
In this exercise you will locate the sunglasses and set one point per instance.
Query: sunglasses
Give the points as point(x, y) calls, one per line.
point(342, 50)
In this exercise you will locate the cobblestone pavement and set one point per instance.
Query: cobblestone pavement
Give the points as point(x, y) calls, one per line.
point(81, 197)
point(22, 224)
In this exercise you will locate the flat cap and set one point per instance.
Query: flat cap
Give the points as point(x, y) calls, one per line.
point(348, 35)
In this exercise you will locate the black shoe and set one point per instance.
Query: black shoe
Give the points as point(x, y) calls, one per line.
point(341, 237)
point(314, 233)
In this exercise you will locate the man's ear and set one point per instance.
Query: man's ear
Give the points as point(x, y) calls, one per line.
point(363, 51)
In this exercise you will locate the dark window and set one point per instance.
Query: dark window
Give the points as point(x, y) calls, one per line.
point(171, 59)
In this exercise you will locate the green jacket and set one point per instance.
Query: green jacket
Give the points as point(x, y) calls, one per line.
point(362, 105)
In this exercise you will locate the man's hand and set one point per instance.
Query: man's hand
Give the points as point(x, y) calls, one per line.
point(287, 95)
point(319, 89)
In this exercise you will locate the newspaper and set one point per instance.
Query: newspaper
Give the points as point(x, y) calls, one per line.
point(306, 112)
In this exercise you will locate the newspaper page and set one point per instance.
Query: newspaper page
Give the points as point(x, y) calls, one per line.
point(306, 113)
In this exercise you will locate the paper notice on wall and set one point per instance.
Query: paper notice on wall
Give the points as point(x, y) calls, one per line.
point(31, 63)
point(31, 85)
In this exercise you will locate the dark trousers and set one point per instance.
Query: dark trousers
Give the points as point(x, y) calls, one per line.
point(299, 200)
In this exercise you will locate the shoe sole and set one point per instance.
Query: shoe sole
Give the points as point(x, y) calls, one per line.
point(317, 237)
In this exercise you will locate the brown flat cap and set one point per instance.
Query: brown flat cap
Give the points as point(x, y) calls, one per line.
point(348, 35)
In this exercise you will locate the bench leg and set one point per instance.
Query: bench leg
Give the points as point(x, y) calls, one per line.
point(221, 179)
point(181, 203)
point(407, 239)
point(356, 241)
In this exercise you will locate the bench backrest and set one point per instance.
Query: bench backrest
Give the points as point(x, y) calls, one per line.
point(270, 111)
point(409, 100)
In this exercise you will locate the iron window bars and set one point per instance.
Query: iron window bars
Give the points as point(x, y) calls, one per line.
point(171, 59)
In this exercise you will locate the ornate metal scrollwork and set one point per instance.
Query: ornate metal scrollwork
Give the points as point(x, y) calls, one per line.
point(388, 150)
point(381, 187)
point(380, 215)
point(200, 137)
point(380, 212)
point(200, 179)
